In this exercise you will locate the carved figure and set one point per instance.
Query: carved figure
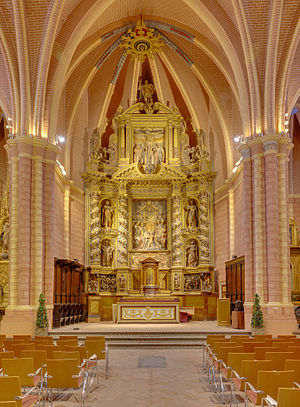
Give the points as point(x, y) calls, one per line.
point(122, 282)
point(206, 283)
point(176, 281)
point(107, 213)
point(192, 214)
point(192, 282)
point(94, 143)
point(93, 283)
point(5, 237)
point(107, 253)
point(147, 91)
point(139, 154)
point(192, 254)
point(107, 283)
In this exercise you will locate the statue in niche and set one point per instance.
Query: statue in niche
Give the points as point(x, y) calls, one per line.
point(147, 91)
point(122, 283)
point(139, 154)
point(192, 254)
point(107, 253)
point(176, 281)
point(192, 214)
point(107, 214)
point(4, 237)
point(206, 283)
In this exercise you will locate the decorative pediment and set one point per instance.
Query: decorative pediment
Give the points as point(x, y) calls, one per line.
point(135, 171)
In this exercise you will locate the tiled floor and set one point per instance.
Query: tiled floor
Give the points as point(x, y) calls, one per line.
point(156, 378)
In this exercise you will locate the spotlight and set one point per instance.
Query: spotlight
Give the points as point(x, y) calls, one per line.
point(60, 139)
point(236, 139)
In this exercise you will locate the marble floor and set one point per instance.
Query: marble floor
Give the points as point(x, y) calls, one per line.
point(151, 378)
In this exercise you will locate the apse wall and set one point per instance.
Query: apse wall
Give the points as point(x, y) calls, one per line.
point(228, 219)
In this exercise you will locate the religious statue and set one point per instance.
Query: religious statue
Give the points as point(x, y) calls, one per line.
point(94, 143)
point(139, 154)
point(147, 91)
point(107, 213)
point(192, 214)
point(107, 253)
point(192, 254)
point(122, 283)
point(206, 283)
point(4, 236)
point(176, 281)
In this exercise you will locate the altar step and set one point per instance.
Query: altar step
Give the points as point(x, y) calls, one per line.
point(152, 340)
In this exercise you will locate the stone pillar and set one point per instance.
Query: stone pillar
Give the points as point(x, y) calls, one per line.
point(258, 207)
point(247, 231)
point(31, 168)
point(265, 207)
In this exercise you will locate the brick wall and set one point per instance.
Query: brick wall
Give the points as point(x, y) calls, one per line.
point(221, 236)
point(238, 220)
point(77, 230)
point(59, 249)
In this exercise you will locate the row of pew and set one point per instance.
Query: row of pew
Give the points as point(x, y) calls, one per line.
point(258, 371)
point(33, 371)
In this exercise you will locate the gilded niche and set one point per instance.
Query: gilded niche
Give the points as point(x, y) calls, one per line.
point(149, 225)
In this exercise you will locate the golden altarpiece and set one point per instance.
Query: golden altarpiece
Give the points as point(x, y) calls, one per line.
point(148, 195)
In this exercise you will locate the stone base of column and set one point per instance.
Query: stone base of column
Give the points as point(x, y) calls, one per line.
point(279, 319)
point(21, 320)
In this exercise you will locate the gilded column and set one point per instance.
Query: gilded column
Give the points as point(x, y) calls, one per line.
point(123, 227)
point(176, 226)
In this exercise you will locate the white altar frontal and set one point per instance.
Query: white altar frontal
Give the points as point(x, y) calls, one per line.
point(148, 310)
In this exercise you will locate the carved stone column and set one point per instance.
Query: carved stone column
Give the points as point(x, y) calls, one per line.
point(31, 168)
point(123, 229)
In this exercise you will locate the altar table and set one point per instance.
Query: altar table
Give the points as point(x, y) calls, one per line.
point(148, 310)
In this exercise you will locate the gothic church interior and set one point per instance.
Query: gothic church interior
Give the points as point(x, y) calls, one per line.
point(143, 145)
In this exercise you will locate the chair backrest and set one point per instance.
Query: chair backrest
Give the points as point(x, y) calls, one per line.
point(250, 368)
point(210, 338)
point(26, 338)
point(9, 343)
point(70, 342)
point(295, 350)
point(22, 346)
point(283, 346)
point(235, 360)
point(270, 381)
point(66, 355)
point(260, 353)
point(286, 336)
point(279, 358)
point(261, 338)
point(294, 364)
point(239, 339)
point(62, 371)
point(48, 348)
point(21, 367)
point(2, 339)
point(81, 349)
point(39, 357)
point(44, 339)
point(95, 347)
point(287, 397)
point(223, 352)
point(218, 345)
point(249, 347)
point(10, 387)
point(8, 404)
point(6, 355)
